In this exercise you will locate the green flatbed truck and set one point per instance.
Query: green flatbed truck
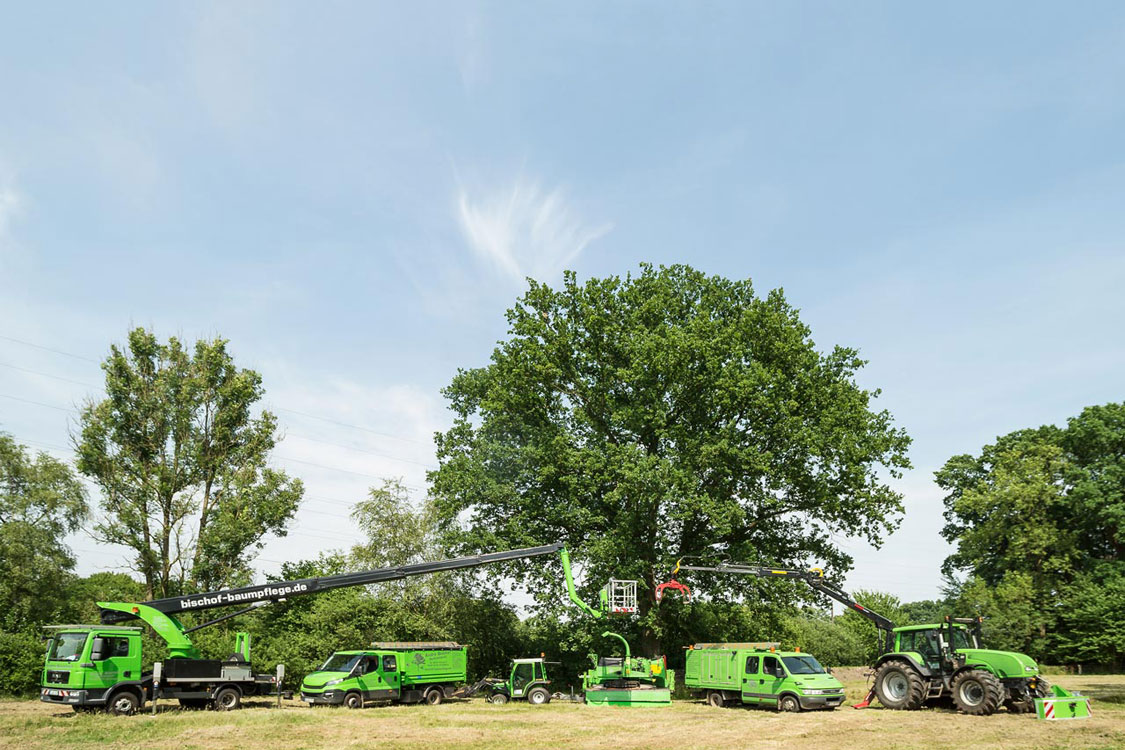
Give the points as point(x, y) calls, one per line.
point(388, 672)
point(759, 674)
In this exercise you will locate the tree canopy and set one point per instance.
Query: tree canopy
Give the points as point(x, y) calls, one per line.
point(41, 501)
point(180, 459)
point(665, 414)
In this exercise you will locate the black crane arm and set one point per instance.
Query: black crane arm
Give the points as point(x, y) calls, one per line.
point(814, 577)
point(272, 592)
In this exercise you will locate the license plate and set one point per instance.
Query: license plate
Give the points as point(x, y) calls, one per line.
point(307, 700)
point(54, 692)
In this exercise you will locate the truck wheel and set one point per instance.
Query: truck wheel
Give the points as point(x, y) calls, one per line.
point(977, 692)
point(353, 700)
point(538, 696)
point(498, 699)
point(789, 704)
point(899, 687)
point(715, 698)
point(227, 699)
point(124, 703)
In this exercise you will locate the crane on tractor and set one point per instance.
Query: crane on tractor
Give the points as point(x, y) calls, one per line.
point(920, 664)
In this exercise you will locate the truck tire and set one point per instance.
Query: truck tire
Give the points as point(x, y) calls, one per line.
point(353, 700)
point(123, 703)
point(538, 696)
point(498, 699)
point(899, 687)
point(977, 692)
point(715, 698)
point(227, 699)
point(789, 704)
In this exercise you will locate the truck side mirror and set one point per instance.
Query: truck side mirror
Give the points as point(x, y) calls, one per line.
point(779, 673)
point(97, 649)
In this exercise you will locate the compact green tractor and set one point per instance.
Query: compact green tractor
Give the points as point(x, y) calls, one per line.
point(527, 680)
point(925, 663)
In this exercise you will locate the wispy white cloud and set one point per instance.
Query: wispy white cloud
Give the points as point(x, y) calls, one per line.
point(524, 230)
point(11, 203)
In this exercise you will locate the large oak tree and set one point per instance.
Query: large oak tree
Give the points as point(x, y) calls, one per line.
point(665, 414)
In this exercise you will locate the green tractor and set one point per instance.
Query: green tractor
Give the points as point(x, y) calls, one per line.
point(527, 680)
point(923, 664)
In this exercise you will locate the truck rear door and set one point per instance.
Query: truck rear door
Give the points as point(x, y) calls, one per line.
point(389, 675)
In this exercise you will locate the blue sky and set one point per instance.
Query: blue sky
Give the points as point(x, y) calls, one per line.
point(352, 194)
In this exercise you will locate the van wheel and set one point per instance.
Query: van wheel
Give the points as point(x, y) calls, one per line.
point(538, 696)
point(434, 696)
point(715, 698)
point(789, 704)
point(353, 700)
point(124, 703)
point(227, 699)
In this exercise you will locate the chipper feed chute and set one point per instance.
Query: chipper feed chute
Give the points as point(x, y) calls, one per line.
point(1062, 704)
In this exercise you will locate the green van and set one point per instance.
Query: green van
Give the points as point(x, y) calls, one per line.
point(388, 672)
point(759, 674)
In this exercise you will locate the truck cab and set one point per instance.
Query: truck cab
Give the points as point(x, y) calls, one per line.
point(90, 666)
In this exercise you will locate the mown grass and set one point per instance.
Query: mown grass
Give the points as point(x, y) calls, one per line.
point(30, 725)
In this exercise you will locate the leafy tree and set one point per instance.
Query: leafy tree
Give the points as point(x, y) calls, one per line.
point(924, 612)
point(1091, 620)
point(41, 500)
point(862, 629)
point(181, 462)
point(663, 415)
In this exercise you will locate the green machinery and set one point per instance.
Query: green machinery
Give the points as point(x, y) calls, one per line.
point(924, 663)
point(620, 680)
point(100, 666)
point(527, 680)
point(1062, 704)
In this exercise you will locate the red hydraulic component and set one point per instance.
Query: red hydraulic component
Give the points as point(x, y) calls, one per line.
point(673, 584)
point(866, 701)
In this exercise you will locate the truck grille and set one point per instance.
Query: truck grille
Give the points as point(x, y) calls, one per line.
point(58, 676)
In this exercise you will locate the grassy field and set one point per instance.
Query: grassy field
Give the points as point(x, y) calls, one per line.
point(30, 725)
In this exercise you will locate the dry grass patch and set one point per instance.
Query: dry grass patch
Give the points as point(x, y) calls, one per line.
point(31, 725)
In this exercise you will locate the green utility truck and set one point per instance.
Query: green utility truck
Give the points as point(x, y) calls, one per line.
point(924, 663)
point(388, 672)
point(100, 666)
point(757, 673)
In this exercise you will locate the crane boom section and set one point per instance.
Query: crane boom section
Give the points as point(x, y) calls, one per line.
point(272, 592)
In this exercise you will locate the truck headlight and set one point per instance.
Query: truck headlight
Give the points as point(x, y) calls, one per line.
point(337, 681)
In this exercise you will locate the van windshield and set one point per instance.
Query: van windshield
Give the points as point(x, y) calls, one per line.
point(67, 646)
point(341, 662)
point(802, 665)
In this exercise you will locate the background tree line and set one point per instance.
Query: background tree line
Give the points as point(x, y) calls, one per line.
point(638, 420)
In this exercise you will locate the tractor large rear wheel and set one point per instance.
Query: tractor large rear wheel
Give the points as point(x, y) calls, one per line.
point(977, 692)
point(899, 686)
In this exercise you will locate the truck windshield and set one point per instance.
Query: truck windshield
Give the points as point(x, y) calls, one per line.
point(341, 662)
point(67, 646)
point(802, 665)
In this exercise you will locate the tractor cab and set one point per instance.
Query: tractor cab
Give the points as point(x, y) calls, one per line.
point(939, 645)
point(527, 680)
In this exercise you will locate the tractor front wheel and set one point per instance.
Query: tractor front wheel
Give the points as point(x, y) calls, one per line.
point(538, 696)
point(498, 699)
point(977, 693)
point(899, 686)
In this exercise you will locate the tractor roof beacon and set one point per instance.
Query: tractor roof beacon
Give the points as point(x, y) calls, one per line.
point(923, 663)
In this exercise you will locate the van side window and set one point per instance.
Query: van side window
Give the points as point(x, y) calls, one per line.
point(751, 665)
point(769, 665)
point(390, 664)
